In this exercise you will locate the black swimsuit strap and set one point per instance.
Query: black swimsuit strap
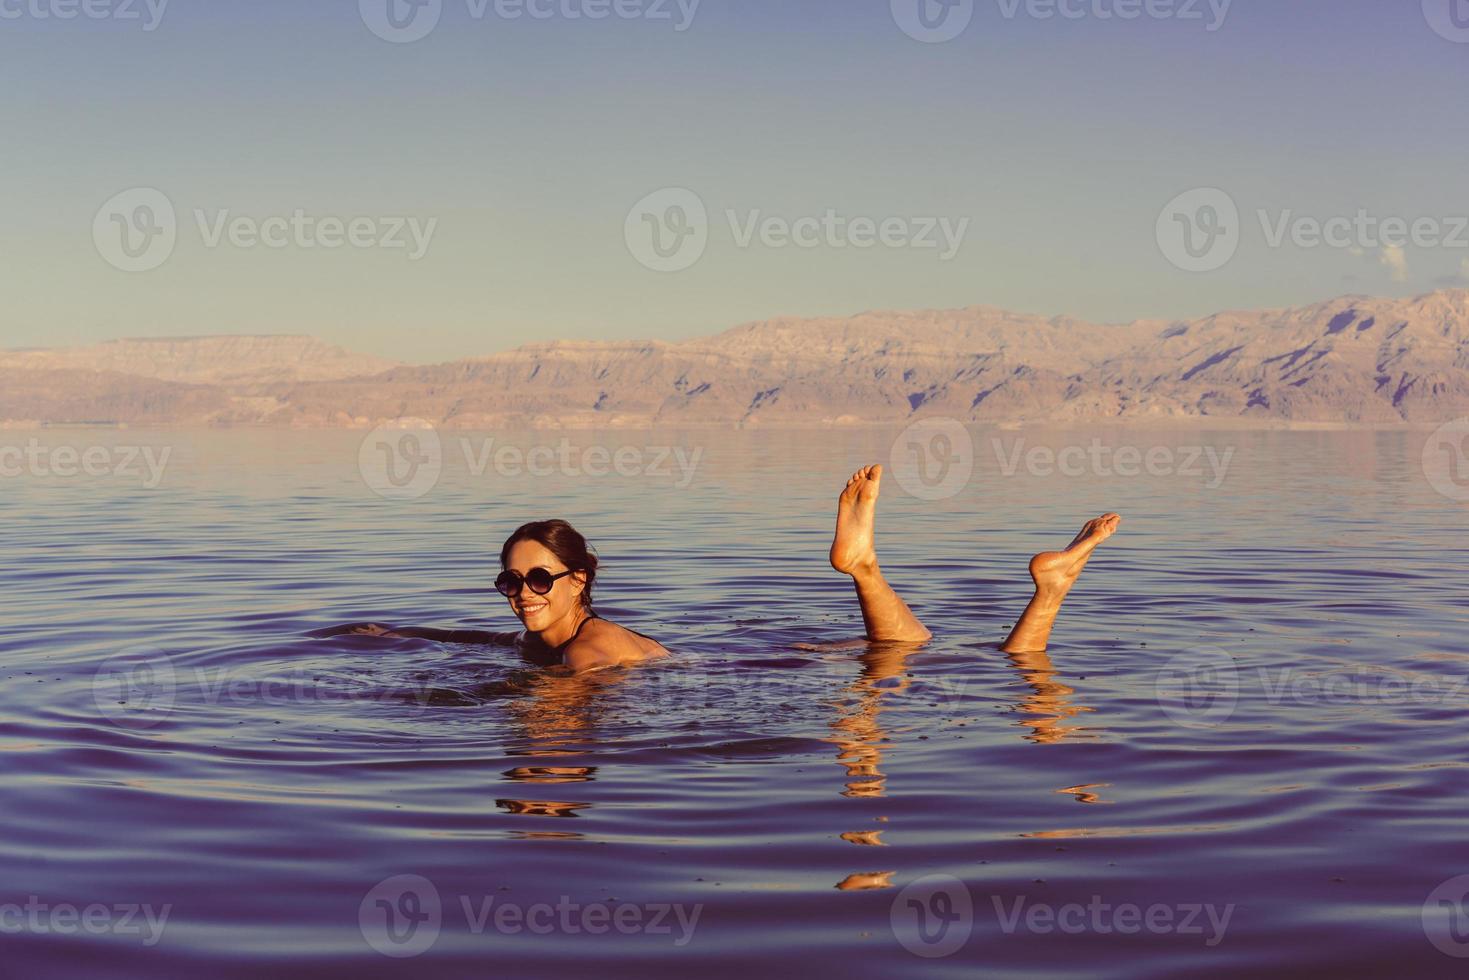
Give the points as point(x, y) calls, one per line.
point(590, 616)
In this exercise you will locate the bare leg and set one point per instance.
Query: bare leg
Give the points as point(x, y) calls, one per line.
point(1054, 573)
point(886, 616)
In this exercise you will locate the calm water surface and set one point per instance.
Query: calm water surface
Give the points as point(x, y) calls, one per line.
point(1245, 753)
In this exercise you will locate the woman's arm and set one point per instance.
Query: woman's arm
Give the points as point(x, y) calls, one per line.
point(479, 637)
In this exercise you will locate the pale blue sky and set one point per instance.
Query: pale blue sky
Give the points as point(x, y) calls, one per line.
point(1059, 140)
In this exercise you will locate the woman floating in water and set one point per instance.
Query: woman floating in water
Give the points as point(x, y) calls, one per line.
point(547, 573)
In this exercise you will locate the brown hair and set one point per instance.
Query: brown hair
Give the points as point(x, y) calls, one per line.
point(563, 541)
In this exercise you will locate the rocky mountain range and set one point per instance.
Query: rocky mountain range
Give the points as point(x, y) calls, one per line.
point(1354, 360)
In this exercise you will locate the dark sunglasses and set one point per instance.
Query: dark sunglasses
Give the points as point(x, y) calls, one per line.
point(540, 581)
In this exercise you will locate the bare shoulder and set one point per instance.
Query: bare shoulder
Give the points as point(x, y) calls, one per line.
point(605, 644)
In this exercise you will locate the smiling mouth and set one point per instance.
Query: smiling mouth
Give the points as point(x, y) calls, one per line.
point(532, 610)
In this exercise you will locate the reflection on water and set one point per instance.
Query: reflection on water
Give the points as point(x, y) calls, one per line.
point(541, 808)
point(551, 774)
point(855, 727)
point(788, 781)
point(867, 881)
point(1050, 706)
point(559, 710)
point(1084, 792)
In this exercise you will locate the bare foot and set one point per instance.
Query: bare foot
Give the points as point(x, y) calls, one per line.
point(852, 550)
point(1055, 572)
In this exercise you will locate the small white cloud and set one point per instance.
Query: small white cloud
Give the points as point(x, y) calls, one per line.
point(1396, 261)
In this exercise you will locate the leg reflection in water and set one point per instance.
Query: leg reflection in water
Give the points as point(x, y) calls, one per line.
point(1049, 707)
point(893, 631)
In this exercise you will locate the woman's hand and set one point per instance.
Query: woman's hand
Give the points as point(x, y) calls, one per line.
point(375, 629)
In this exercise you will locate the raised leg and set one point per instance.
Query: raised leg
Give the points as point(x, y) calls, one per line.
point(1054, 572)
point(885, 614)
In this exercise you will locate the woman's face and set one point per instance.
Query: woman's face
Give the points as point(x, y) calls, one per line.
point(540, 612)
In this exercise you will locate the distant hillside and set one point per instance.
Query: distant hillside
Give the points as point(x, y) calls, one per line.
point(1351, 360)
point(204, 360)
